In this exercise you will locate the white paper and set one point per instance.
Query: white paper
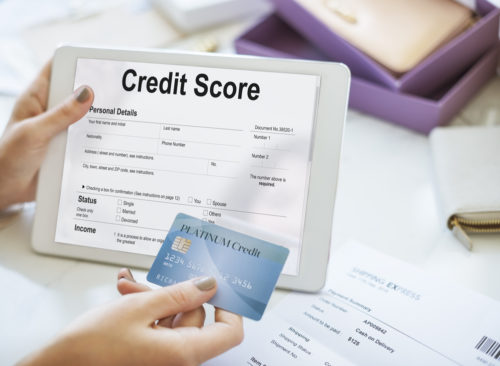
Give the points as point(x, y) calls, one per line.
point(374, 310)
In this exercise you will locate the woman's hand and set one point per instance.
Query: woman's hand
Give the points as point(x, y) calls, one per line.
point(128, 331)
point(31, 127)
point(127, 285)
point(153, 327)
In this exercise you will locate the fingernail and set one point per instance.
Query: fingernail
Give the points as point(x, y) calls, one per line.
point(82, 95)
point(205, 283)
point(127, 275)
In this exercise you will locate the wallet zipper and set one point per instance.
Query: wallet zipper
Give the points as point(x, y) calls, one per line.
point(484, 223)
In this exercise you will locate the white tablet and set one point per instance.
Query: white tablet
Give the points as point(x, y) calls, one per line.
point(224, 138)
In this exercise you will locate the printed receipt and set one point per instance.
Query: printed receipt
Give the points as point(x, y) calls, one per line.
point(163, 139)
point(374, 310)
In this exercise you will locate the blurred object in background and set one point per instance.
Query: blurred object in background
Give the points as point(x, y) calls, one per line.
point(30, 30)
point(272, 37)
point(17, 15)
point(207, 45)
point(427, 77)
point(494, 2)
point(132, 23)
point(16, 65)
point(398, 34)
point(192, 15)
point(428, 95)
point(468, 3)
point(487, 106)
point(467, 176)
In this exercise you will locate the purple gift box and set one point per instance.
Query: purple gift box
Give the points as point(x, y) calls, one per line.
point(435, 71)
point(275, 38)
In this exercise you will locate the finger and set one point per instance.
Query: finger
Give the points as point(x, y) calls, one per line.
point(166, 322)
point(125, 273)
point(57, 119)
point(39, 88)
point(44, 74)
point(193, 318)
point(33, 101)
point(125, 286)
point(227, 317)
point(126, 283)
point(216, 338)
point(178, 298)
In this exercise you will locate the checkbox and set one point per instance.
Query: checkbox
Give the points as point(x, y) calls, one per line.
point(209, 201)
point(205, 212)
point(190, 199)
point(117, 218)
point(118, 210)
point(120, 202)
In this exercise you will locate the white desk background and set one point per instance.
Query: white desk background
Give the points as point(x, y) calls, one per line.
point(385, 199)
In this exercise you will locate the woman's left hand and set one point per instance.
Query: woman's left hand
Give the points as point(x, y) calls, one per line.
point(24, 143)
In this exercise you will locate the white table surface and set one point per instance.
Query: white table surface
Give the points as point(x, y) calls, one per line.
point(385, 199)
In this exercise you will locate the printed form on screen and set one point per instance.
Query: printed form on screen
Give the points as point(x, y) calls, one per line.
point(162, 139)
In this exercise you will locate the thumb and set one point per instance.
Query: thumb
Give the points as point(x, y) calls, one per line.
point(181, 297)
point(58, 118)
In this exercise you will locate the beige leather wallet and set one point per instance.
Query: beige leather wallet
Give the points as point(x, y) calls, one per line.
point(398, 34)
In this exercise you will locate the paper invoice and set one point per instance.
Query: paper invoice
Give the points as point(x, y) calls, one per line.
point(162, 139)
point(374, 310)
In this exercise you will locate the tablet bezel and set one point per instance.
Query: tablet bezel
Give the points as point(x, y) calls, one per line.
point(328, 134)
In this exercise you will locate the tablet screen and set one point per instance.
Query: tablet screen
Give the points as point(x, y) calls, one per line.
point(213, 143)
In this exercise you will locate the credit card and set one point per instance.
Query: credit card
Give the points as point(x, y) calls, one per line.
point(246, 268)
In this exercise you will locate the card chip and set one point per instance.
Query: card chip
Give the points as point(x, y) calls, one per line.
point(181, 244)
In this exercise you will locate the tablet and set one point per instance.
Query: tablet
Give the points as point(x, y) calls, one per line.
point(228, 139)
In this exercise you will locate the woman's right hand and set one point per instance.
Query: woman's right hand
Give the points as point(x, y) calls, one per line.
point(146, 327)
point(127, 285)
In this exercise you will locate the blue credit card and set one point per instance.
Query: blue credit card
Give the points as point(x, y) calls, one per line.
point(246, 268)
